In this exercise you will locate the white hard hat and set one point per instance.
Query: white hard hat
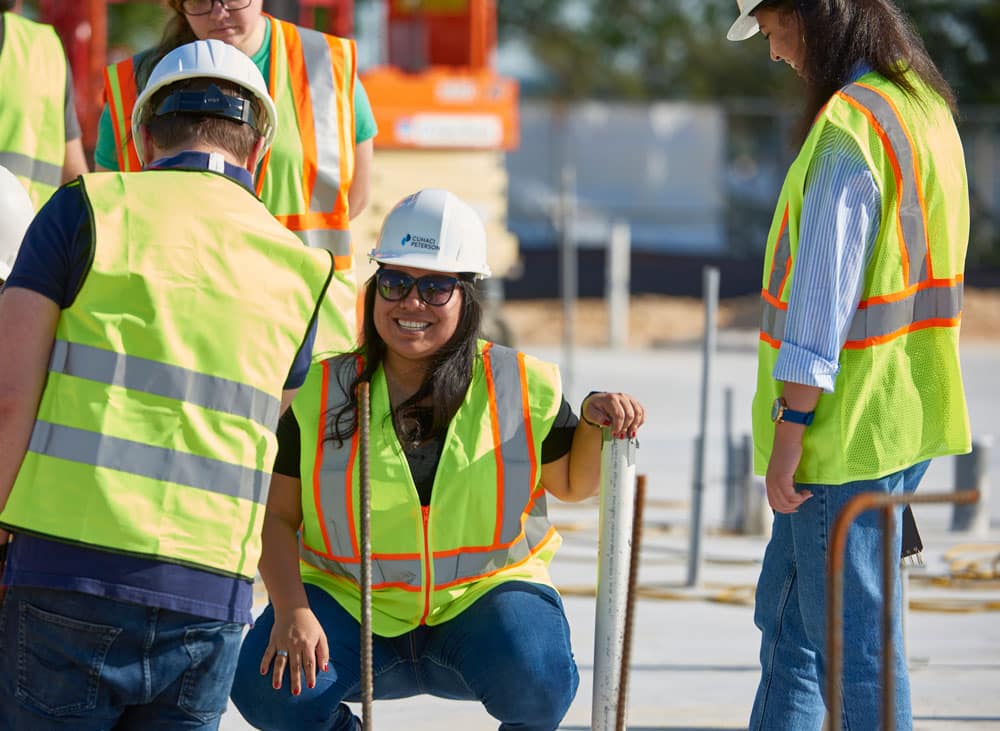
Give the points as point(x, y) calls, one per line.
point(433, 229)
point(211, 59)
point(745, 25)
point(16, 212)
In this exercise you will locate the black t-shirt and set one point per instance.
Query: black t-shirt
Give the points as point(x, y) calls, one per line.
point(423, 459)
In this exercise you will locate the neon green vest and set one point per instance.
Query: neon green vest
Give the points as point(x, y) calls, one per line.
point(305, 177)
point(155, 431)
point(899, 398)
point(32, 115)
point(487, 521)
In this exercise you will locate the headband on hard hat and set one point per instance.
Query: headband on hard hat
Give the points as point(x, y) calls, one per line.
point(211, 59)
point(436, 230)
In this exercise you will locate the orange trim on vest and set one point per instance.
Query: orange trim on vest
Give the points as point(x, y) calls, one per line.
point(897, 174)
point(777, 243)
point(497, 445)
point(769, 340)
point(339, 65)
point(507, 567)
point(303, 111)
point(764, 294)
point(912, 327)
point(526, 415)
point(318, 461)
point(916, 170)
point(909, 291)
point(128, 158)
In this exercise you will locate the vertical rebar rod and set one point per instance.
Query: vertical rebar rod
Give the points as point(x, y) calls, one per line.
point(613, 552)
point(890, 559)
point(835, 584)
point(367, 680)
point(633, 580)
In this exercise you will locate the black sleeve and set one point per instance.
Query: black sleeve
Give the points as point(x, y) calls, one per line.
point(289, 446)
point(558, 441)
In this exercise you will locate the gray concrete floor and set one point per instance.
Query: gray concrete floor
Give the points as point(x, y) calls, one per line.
point(694, 657)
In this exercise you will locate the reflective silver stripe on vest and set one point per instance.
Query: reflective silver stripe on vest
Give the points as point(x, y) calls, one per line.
point(28, 167)
point(333, 240)
point(514, 449)
point(911, 217)
point(144, 460)
point(323, 92)
point(384, 571)
point(161, 379)
point(451, 569)
point(780, 260)
point(883, 318)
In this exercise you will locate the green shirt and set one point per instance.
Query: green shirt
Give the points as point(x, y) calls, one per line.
point(364, 121)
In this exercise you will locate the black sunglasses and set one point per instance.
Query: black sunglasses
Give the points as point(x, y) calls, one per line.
point(434, 289)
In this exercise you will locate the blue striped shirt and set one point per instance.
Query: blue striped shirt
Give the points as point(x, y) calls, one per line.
point(841, 217)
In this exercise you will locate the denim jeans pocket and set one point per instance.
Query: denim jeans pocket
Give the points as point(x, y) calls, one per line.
point(59, 660)
point(213, 648)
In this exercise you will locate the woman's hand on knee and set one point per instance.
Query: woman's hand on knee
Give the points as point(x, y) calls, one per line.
point(297, 643)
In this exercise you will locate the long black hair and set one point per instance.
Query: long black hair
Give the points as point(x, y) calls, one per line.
point(839, 34)
point(446, 381)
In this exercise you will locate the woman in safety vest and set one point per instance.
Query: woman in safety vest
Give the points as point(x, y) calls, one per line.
point(859, 384)
point(317, 175)
point(467, 437)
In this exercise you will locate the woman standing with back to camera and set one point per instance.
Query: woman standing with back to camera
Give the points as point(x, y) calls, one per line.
point(858, 384)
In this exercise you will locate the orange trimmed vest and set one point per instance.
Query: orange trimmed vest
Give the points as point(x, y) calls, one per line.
point(486, 523)
point(305, 177)
point(899, 398)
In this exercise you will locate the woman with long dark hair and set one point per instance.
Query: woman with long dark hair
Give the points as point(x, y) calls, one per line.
point(467, 438)
point(859, 383)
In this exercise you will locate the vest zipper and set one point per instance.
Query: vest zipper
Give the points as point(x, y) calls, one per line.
point(425, 511)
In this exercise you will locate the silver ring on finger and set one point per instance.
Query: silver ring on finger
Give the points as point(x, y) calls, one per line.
point(281, 653)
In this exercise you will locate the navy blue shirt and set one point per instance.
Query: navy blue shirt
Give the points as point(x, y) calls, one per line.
point(53, 261)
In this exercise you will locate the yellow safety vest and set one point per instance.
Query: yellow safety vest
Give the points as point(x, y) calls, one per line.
point(33, 113)
point(155, 431)
point(486, 523)
point(305, 177)
point(899, 398)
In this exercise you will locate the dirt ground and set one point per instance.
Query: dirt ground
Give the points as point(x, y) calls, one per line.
point(658, 320)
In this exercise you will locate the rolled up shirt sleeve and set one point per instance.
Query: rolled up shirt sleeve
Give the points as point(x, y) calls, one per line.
point(841, 217)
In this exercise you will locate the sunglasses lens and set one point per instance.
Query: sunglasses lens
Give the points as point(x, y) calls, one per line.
point(436, 290)
point(393, 285)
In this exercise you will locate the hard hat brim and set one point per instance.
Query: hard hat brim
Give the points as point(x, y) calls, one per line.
point(420, 261)
point(745, 27)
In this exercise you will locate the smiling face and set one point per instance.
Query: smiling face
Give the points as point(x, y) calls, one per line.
point(783, 31)
point(241, 28)
point(413, 330)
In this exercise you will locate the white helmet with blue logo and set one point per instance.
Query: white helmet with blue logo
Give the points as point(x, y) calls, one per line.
point(436, 230)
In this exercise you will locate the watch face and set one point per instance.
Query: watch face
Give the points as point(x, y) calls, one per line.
point(776, 410)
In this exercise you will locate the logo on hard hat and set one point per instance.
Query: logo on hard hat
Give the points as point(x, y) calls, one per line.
point(420, 242)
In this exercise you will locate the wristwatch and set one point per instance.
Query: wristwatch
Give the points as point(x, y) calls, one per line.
point(780, 412)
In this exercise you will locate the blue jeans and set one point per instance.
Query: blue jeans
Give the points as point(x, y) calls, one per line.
point(78, 662)
point(510, 650)
point(791, 612)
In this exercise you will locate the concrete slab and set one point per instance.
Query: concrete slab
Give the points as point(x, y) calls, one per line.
point(694, 657)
